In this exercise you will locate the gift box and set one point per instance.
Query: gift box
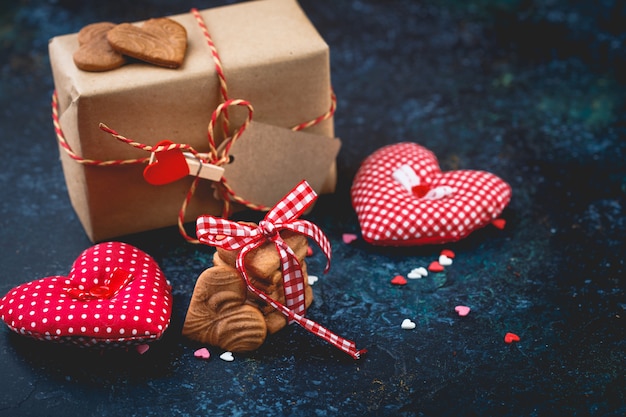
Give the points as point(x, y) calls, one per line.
point(272, 57)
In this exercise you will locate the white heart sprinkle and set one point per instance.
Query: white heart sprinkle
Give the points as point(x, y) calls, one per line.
point(408, 324)
point(445, 261)
point(414, 274)
point(417, 273)
point(227, 356)
point(312, 279)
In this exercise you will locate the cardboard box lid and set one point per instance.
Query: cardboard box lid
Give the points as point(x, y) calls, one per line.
point(260, 26)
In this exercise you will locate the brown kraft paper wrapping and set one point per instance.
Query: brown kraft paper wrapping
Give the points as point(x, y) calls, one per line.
point(272, 57)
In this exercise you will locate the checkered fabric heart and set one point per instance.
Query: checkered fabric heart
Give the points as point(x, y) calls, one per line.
point(115, 295)
point(402, 198)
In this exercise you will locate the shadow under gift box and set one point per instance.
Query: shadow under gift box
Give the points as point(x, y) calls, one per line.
point(272, 57)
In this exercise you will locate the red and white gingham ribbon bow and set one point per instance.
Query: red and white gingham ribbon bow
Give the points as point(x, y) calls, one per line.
point(230, 235)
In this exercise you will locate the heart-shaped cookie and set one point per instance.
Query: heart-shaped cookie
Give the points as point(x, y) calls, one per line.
point(114, 295)
point(402, 198)
point(94, 52)
point(159, 41)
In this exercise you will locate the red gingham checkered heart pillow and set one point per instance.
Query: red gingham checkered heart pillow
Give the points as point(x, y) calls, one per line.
point(402, 198)
point(115, 295)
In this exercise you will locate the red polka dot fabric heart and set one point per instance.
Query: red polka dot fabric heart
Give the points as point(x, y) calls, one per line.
point(402, 198)
point(115, 295)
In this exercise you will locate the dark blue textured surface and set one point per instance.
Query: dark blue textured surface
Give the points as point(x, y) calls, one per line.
point(532, 91)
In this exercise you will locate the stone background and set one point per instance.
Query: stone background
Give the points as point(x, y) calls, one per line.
point(533, 91)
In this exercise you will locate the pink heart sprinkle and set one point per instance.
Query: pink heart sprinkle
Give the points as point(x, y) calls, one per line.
point(202, 353)
point(141, 349)
point(309, 251)
point(448, 253)
point(349, 238)
point(435, 267)
point(398, 280)
point(462, 310)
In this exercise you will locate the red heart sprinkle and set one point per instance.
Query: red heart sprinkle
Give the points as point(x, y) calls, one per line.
point(435, 267)
point(398, 280)
point(420, 191)
point(511, 337)
point(309, 251)
point(168, 166)
point(499, 223)
point(448, 253)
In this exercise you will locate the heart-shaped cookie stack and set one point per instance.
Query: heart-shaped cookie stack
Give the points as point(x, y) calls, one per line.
point(224, 313)
point(103, 46)
point(402, 198)
point(115, 295)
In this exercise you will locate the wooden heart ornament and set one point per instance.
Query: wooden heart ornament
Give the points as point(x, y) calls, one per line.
point(402, 198)
point(115, 295)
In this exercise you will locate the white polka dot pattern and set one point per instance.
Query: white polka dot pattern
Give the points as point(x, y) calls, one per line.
point(47, 309)
point(391, 215)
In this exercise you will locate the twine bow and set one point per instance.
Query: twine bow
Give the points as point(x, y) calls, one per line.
point(230, 235)
point(214, 156)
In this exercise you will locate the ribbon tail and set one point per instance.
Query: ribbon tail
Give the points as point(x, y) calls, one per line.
point(348, 346)
point(293, 279)
point(345, 345)
point(310, 230)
